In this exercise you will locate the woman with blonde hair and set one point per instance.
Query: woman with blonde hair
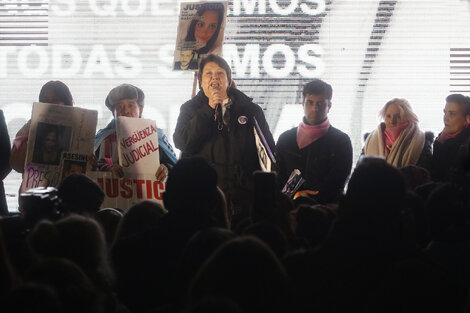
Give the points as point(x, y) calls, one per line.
point(398, 138)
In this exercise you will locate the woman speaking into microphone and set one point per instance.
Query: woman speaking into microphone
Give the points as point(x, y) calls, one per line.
point(218, 125)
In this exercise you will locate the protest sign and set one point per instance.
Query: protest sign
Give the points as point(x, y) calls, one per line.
point(60, 141)
point(137, 140)
point(200, 31)
point(265, 155)
point(124, 192)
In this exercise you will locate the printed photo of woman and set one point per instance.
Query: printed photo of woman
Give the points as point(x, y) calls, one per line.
point(204, 34)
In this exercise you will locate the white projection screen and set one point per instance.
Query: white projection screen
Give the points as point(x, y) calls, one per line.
point(369, 51)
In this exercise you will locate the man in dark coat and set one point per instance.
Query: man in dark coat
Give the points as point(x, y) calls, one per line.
point(218, 125)
point(322, 153)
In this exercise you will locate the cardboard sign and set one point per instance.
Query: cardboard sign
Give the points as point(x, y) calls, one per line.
point(123, 193)
point(201, 30)
point(265, 155)
point(137, 140)
point(60, 141)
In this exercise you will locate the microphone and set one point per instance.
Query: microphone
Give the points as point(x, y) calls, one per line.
point(217, 88)
point(218, 111)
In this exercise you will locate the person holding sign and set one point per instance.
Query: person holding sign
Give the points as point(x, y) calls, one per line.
point(322, 153)
point(128, 100)
point(54, 92)
point(218, 124)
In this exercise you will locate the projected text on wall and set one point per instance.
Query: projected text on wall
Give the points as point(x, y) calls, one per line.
point(123, 60)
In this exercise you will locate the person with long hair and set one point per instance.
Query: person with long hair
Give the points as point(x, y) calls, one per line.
point(398, 138)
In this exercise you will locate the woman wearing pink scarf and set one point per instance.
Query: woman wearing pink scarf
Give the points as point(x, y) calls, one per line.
point(398, 138)
point(449, 148)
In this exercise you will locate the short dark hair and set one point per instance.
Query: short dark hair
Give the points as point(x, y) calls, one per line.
point(80, 194)
point(375, 189)
point(461, 100)
point(191, 187)
point(217, 60)
point(54, 91)
point(318, 87)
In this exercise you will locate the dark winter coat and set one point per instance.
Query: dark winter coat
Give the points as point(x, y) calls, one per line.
point(446, 162)
point(4, 162)
point(231, 151)
point(325, 164)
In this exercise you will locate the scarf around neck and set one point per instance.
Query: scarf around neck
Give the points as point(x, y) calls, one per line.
point(391, 134)
point(405, 151)
point(307, 134)
point(444, 136)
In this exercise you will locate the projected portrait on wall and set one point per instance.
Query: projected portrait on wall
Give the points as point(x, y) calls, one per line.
point(200, 32)
point(50, 141)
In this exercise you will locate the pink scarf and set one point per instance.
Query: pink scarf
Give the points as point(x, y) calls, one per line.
point(445, 135)
point(391, 134)
point(306, 134)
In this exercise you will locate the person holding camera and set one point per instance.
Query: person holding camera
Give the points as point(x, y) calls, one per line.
point(321, 152)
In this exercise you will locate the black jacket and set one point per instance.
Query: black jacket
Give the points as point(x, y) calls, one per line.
point(447, 156)
point(325, 164)
point(232, 150)
point(4, 162)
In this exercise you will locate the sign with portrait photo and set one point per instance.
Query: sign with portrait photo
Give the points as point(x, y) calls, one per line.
point(200, 31)
point(59, 136)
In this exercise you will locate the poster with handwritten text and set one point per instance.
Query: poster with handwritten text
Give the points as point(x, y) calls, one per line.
point(137, 141)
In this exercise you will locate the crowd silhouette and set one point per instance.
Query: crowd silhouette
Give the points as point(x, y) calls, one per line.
point(397, 240)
